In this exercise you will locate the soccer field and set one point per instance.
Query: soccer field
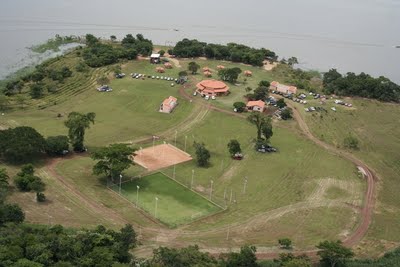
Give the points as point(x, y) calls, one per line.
point(176, 204)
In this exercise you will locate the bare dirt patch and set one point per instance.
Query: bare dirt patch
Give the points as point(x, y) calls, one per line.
point(161, 156)
point(269, 66)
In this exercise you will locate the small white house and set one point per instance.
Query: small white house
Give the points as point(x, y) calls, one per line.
point(256, 105)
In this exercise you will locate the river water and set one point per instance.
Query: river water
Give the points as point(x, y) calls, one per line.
point(350, 35)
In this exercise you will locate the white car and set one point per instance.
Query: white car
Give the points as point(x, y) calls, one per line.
point(312, 108)
point(213, 97)
point(333, 108)
point(206, 97)
point(195, 93)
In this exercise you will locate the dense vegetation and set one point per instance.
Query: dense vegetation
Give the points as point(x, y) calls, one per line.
point(361, 85)
point(21, 144)
point(232, 51)
point(23, 245)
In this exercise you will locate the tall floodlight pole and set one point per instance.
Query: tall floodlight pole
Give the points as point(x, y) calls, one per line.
point(185, 142)
point(176, 133)
point(230, 199)
point(191, 184)
point(120, 180)
point(174, 172)
point(137, 195)
point(244, 185)
point(155, 210)
point(154, 138)
point(212, 182)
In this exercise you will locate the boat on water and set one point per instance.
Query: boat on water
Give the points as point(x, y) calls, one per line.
point(397, 46)
point(177, 30)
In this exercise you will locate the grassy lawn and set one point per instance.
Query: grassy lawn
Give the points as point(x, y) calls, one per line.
point(176, 203)
point(129, 112)
point(375, 125)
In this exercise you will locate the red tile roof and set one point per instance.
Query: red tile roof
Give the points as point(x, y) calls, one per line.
point(212, 86)
point(258, 103)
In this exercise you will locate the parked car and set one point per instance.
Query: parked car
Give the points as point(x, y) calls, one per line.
point(119, 75)
point(206, 97)
point(195, 93)
point(104, 88)
point(213, 97)
point(238, 156)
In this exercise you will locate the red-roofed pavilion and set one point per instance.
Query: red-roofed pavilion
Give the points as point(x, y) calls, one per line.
point(212, 87)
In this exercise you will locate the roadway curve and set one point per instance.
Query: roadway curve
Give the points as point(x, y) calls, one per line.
point(369, 196)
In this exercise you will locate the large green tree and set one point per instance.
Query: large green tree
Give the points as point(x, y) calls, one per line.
point(263, 125)
point(112, 160)
point(56, 145)
point(334, 253)
point(77, 124)
point(193, 67)
point(229, 74)
point(234, 147)
point(202, 154)
point(21, 144)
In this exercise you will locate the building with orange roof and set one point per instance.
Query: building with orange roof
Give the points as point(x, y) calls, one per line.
point(168, 105)
point(282, 88)
point(212, 88)
point(256, 105)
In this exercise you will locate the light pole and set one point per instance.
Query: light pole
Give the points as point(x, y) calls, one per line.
point(244, 185)
point(120, 180)
point(176, 133)
point(212, 182)
point(155, 211)
point(191, 184)
point(137, 195)
point(174, 172)
point(154, 138)
point(185, 142)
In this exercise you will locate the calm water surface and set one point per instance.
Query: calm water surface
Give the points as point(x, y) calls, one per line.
point(352, 35)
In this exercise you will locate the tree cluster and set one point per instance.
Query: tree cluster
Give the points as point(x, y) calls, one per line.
point(24, 245)
point(98, 54)
point(229, 74)
point(234, 52)
point(9, 213)
point(26, 181)
point(362, 85)
point(21, 144)
point(260, 93)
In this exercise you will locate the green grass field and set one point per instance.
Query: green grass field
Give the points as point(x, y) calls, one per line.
point(176, 203)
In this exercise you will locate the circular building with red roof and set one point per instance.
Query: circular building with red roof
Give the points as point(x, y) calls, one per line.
point(212, 88)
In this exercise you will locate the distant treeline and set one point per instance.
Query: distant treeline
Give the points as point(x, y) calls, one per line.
point(362, 85)
point(232, 51)
point(98, 54)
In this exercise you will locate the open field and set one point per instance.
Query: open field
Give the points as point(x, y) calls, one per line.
point(302, 180)
point(375, 125)
point(176, 204)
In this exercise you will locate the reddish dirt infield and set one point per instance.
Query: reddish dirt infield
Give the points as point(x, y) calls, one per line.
point(161, 156)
